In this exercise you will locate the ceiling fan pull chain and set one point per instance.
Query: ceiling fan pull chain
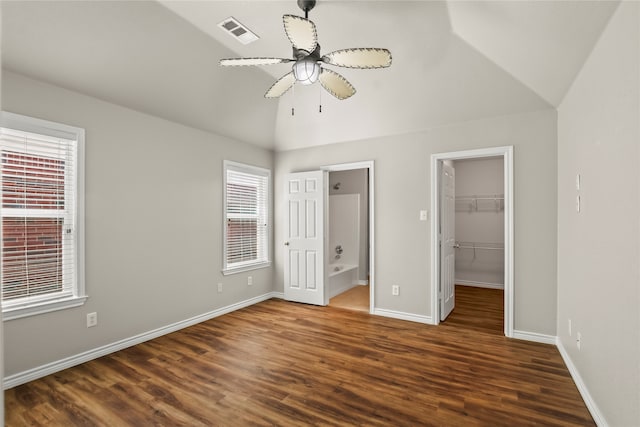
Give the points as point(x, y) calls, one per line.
point(320, 92)
point(293, 100)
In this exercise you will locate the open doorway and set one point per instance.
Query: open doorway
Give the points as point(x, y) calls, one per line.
point(349, 273)
point(308, 254)
point(479, 255)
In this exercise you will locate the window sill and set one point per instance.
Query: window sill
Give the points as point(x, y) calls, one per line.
point(235, 270)
point(11, 313)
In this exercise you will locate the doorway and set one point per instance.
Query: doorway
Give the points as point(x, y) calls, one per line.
point(348, 238)
point(344, 180)
point(309, 252)
point(444, 246)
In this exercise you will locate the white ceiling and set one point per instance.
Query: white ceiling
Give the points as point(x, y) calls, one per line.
point(452, 61)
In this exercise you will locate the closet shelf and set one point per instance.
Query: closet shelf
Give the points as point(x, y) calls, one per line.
point(475, 203)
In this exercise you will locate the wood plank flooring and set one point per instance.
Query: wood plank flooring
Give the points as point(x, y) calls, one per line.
point(287, 364)
point(478, 309)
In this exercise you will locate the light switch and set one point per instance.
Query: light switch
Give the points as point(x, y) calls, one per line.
point(424, 215)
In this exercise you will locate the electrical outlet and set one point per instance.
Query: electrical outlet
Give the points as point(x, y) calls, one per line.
point(92, 319)
point(569, 327)
point(395, 290)
point(219, 287)
point(249, 280)
point(579, 340)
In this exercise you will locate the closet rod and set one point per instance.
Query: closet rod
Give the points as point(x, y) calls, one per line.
point(476, 245)
point(480, 198)
point(480, 247)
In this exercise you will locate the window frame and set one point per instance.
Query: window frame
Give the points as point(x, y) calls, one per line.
point(257, 171)
point(78, 295)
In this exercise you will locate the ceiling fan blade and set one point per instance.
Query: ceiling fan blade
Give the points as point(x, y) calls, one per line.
point(335, 84)
point(363, 57)
point(281, 86)
point(231, 62)
point(301, 32)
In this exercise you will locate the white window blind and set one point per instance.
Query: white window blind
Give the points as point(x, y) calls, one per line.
point(39, 221)
point(246, 243)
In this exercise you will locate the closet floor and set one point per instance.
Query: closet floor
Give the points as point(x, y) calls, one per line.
point(479, 309)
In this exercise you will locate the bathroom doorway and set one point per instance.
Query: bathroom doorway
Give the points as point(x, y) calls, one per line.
point(349, 251)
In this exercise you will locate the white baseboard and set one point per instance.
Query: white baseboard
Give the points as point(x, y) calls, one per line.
point(362, 282)
point(479, 284)
point(403, 316)
point(53, 367)
point(535, 337)
point(582, 388)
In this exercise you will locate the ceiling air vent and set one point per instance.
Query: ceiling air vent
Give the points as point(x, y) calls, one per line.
point(238, 31)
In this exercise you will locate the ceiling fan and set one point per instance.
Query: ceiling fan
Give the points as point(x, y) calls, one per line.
point(308, 66)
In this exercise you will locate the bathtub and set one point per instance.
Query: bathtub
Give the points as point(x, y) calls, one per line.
point(342, 277)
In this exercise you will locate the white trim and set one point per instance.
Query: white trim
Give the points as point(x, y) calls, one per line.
point(53, 367)
point(486, 285)
point(362, 282)
point(507, 153)
point(597, 415)
point(369, 165)
point(404, 316)
point(534, 337)
point(40, 126)
point(246, 268)
point(46, 306)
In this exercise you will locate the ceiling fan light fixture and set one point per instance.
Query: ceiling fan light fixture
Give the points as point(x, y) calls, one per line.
point(306, 71)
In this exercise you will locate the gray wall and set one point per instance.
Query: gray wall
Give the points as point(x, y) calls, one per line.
point(402, 189)
point(599, 248)
point(480, 222)
point(356, 182)
point(153, 225)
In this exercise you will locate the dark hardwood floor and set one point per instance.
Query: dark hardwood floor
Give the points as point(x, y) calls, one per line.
point(478, 309)
point(280, 363)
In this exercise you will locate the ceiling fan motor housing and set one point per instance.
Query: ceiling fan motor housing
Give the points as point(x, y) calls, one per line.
point(306, 5)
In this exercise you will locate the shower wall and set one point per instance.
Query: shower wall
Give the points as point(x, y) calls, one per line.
point(344, 228)
point(356, 182)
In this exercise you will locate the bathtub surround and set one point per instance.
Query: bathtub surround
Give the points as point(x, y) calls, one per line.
point(344, 248)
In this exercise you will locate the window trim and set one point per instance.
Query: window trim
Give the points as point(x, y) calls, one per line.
point(59, 130)
point(254, 170)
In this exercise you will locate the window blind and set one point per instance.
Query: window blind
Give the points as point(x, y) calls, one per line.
point(246, 216)
point(38, 217)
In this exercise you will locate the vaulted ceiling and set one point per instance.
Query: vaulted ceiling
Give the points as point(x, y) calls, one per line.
point(453, 61)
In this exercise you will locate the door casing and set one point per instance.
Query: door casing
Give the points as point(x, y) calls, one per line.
point(506, 152)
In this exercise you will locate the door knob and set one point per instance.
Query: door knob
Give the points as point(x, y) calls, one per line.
point(457, 246)
point(286, 243)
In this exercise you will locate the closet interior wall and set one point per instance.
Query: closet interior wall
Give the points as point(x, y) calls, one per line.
point(480, 222)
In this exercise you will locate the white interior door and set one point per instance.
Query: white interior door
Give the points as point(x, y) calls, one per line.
point(447, 240)
point(304, 274)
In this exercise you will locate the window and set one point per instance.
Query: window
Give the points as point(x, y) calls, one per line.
point(41, 173)
point(246, 217)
